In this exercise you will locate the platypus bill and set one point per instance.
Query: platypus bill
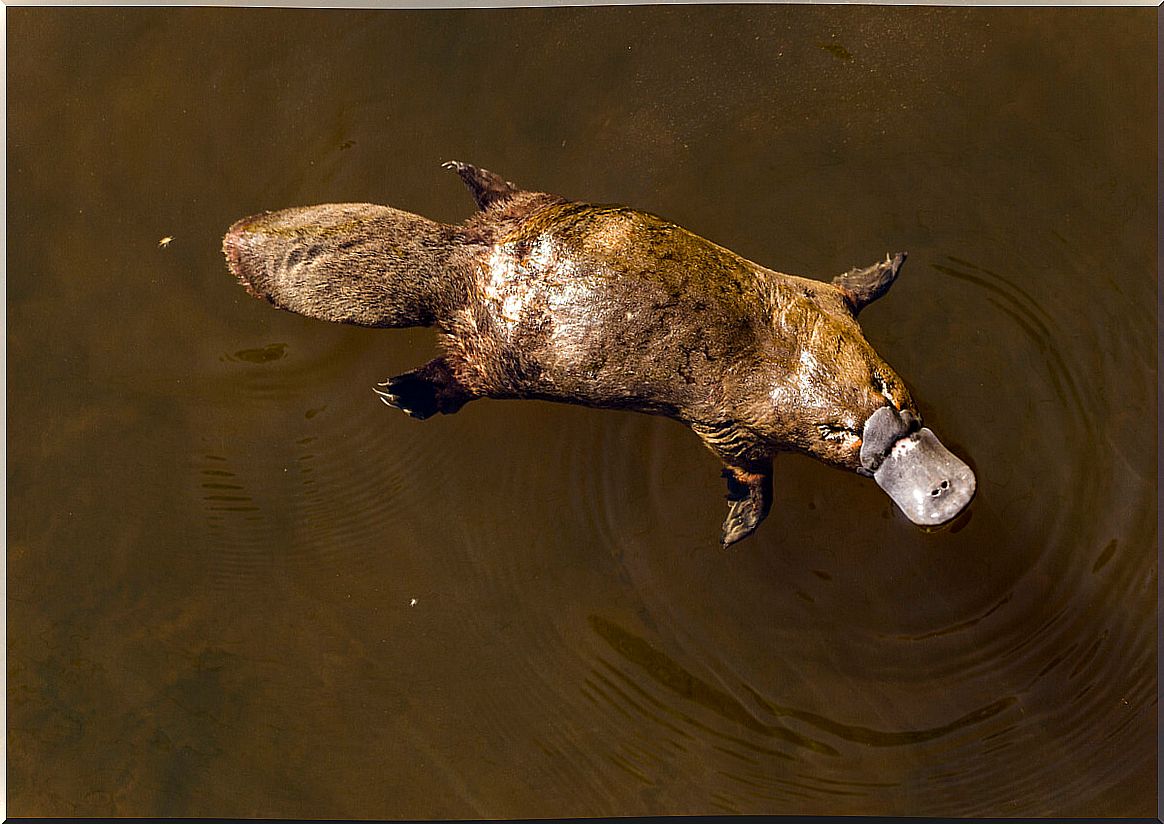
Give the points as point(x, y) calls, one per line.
point(605, 306)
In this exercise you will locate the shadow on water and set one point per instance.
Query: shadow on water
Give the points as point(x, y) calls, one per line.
point(665, 671)
point(266, 354)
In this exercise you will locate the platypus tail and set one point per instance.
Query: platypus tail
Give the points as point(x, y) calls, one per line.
point(349, 263)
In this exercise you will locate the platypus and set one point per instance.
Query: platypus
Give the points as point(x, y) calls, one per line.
point(537, 296)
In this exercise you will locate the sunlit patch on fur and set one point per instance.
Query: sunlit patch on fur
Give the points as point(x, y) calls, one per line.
point(508, 286)
point(521, 287)
point(883, 388)
point(613, 233)
point(803, 386)
point(807, 376)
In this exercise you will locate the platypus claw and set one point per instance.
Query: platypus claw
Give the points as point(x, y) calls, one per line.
point(390, 399)
point(424, 392)
point(396, 402)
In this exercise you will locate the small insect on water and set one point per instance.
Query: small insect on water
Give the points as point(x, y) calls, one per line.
point(166, 241)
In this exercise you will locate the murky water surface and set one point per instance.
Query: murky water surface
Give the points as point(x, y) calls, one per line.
point(238, 585)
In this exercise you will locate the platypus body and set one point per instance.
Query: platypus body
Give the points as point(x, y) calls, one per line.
point(605, 306)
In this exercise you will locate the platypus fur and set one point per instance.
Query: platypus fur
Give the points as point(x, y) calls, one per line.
point(537, 296)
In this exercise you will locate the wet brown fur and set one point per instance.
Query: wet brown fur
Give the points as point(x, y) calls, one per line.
point(600, 305)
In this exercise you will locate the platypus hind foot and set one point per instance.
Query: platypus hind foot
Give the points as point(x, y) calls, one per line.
point(424, 392)
point(487, 187)
point(750, 495)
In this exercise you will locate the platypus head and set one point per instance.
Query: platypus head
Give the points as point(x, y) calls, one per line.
point(864, 420)
point(836, 399)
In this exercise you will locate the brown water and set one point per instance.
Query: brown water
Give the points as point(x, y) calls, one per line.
point(238, 585)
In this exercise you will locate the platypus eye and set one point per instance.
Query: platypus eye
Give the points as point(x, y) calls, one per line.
point(834, 432)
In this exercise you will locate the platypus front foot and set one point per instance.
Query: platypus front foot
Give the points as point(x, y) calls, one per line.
point(750, 497)
point(861, 287)
point(424, 392)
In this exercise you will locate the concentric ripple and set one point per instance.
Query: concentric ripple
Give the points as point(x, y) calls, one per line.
point(918, 671)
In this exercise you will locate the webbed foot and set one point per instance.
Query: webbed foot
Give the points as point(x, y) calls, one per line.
point(487, 187)
point(750, 496)
point(861, 287)
point(424, 392)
